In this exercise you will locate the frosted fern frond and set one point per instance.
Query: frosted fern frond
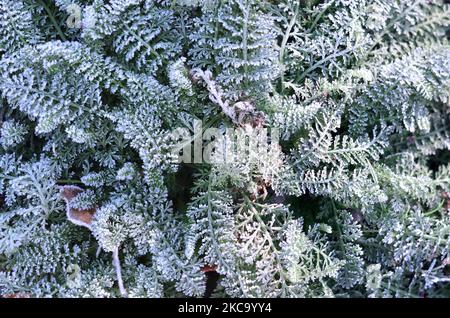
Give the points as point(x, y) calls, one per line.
point(213, 226)
point(12, 133)
point(33, 198)
point(243, 48)
point(53, 98)
point(146, 284)
point(94, 282)
point(141, 32)
point(413, 84)
point(17, 26)
point(322, 147)
point(409, 179)
point(347, 232)
point(243, 156)
point(281, 262)
point(155, 145)
point(290, 117)
point(319, 132)
point(306, 258)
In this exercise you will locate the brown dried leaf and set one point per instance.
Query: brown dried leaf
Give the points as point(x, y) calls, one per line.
point(208, 268)
point(76, 216)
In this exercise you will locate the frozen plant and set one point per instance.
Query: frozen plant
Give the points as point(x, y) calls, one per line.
point(350, 199)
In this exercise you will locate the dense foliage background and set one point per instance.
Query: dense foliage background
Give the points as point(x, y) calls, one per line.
point(352, 201)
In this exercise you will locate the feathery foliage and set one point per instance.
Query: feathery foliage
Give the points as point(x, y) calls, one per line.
point(326, 175)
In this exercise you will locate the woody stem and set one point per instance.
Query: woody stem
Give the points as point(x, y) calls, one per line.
point(116, 263)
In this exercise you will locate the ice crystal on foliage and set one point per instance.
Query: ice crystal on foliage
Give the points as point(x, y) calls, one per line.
point(327, 173)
